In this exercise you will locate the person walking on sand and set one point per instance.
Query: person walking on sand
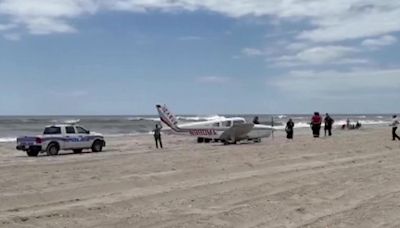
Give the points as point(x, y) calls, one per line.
point(316, 121)
point(395, 125)
point(328, 124)
point(289, 129)
point(157, 136)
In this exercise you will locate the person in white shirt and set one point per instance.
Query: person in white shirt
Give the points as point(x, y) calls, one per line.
point(395, 125)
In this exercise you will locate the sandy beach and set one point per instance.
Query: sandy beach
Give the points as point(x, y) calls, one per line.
point(349, 180)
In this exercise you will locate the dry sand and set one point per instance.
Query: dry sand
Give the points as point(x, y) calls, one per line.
point(349, 180)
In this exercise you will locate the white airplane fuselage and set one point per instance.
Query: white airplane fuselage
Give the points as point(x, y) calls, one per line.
point(221, 129)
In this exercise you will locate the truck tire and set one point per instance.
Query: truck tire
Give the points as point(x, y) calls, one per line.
point(77, 151)
point(53, 149)
point(97, 146)
point(32, 153)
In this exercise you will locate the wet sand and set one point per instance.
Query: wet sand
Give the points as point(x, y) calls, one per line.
point(349, 180)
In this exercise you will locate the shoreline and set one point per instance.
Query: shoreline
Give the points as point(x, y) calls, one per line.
point(301, 128)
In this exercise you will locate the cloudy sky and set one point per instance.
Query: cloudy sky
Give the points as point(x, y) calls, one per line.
point(199, 56)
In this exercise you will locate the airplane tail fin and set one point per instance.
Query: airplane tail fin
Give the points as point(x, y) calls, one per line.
point(167, 117)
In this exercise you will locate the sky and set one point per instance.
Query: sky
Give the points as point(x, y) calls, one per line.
point(121, 57)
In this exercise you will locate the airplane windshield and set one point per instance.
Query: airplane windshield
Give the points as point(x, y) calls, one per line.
point(236, 122)
point(227, 123)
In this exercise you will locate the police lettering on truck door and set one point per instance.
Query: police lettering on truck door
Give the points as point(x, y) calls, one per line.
point(72, 139)
point(83, 138)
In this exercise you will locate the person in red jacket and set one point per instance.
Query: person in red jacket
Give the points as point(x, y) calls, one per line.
point(316, 121)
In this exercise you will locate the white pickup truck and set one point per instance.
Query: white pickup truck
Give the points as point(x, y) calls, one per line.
point(61, 137)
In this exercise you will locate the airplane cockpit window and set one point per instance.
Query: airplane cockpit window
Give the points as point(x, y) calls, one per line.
point(236, 122)
point(227, 123)
point(215, 125)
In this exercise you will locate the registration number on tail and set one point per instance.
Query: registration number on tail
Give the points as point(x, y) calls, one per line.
point(196, 132)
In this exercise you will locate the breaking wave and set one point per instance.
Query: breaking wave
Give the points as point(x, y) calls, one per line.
point(71, 121)
point(7, 139)
point(282, 116)
point(343, 122)
point(139, 118)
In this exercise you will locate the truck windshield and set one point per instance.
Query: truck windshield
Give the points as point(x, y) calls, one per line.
point(52, 131)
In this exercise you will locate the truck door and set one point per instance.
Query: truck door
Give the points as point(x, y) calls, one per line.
point(84, 141)
point(72, 138)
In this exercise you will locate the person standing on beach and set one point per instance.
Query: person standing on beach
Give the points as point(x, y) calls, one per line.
point(316, 121)
point(289, 129)
point(255, 120)
point(157, 136)
point(395, 125)
point(328, 124)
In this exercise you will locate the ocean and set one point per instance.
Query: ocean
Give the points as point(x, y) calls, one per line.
point(117, 126)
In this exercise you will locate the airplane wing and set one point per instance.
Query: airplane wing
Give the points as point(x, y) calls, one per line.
point(237, 132)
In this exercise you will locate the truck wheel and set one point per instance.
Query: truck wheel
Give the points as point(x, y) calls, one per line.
point(200, 140)
point(97, 146)
point(32, 153)
point(77, 151)
point(53, 149)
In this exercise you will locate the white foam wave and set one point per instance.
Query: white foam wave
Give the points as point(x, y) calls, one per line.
point(281, 116)
point(143, 118)
point(71, 121)
point(7, 139)
point(344, 122)
point(373, 122)
point(301, 125)
point(363, 122)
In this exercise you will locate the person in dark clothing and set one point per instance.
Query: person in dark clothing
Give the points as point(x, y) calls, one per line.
point(289, 129)
point(395, 125)
point(316, 121)
point(255, 120)
point(157, 136)
point(328, 124)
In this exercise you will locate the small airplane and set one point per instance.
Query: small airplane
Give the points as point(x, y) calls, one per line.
point(226, 130)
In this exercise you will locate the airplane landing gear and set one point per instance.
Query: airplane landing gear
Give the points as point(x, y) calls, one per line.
point(203, 140)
